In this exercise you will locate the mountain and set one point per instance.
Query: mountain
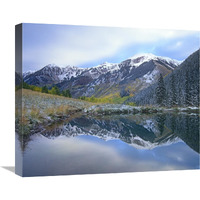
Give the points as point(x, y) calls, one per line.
point(138, 135)
point(182, 86)
point(95, 72)
point(146, 132)
point(125, 78)
point(51, 74)
point(139, 59)
point(27, 73)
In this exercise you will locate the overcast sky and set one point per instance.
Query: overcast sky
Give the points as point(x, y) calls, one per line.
point(87, 46)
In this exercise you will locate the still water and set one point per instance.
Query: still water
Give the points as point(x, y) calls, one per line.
point(108, 144)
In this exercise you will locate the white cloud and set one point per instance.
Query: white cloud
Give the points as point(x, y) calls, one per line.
point(79, 44)
point(178, 44)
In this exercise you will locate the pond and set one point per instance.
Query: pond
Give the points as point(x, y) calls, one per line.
point(110, 144)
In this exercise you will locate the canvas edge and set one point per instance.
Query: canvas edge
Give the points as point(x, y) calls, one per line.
point(18, 94)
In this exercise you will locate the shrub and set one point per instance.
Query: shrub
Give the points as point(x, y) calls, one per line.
point(131, 104)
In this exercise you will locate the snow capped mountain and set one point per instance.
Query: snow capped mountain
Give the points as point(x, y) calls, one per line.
point(134, 61)
point(28, 73)
point(63, 73)
point(110, 130)
point(187, 71)
point(66, 73)
point(107, 67)
point(52, 74)
point(139, 59)
point(133, 74)
point(70, 71)
point(139, 143)
point(96, 71)
point(51, 69)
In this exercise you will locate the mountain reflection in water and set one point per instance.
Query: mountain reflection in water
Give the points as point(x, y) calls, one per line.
point(114, 144)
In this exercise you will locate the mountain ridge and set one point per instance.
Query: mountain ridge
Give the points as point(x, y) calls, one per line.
point(130, 75)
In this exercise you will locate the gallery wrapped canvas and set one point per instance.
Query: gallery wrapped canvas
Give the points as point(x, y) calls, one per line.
point(105, 100)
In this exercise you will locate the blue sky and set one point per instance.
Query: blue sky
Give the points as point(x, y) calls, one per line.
point(87, 46)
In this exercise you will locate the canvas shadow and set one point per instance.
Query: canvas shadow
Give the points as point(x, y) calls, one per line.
point(9, 168)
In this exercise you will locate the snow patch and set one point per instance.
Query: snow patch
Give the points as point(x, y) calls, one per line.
point(150, 76)
point(139, 59)
point(107, 67)
point(28, 73)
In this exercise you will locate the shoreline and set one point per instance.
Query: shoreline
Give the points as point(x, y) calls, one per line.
point(38, 110)
point(100, 110)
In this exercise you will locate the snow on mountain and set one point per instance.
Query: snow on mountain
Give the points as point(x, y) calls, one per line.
point(95, 130)
point(139, 59)
point(187, 71)
point(138, 71)
point(51, 69)
point(28, 73)
point(139, 143)
point(70, 71)
point(51, 74)
point(96, 71)
point(107, 67)
point(66, 73)
point(150, 76)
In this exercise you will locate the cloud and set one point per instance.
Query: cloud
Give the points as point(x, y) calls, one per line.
point(178, 44)
point(76, 45)
point(89, 154)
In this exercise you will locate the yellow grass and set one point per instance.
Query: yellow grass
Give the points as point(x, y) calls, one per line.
point(31, 93)
point(40, 107)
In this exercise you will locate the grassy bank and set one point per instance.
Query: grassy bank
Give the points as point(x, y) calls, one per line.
point(39, 109)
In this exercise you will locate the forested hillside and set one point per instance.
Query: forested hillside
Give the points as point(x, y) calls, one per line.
point(179, 88)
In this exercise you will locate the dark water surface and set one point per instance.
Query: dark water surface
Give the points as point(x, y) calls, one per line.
point(123, 143)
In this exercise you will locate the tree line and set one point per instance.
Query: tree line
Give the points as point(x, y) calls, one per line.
point(111, 99)
point(166, 97)
point(54, 90)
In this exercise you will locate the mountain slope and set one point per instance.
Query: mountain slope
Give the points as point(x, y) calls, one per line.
point(182, 86)
point(146, 132)
point(51, 74)
point(125, 78)
point(27, 73)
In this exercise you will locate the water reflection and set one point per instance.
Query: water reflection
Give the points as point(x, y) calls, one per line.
point(114, 144)
point(143, 131)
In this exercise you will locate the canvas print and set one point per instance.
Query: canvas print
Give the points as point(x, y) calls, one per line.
point(105, 99)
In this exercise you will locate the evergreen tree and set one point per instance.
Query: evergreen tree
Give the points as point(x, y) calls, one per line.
point(160, 91)
point(44, 89)
point(187, 89)
point(26, 85)
point(161, 122)
point(66, 93)
point(172, 93)
point(69, 94)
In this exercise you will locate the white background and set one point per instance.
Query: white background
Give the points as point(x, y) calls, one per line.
point(171, 14)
